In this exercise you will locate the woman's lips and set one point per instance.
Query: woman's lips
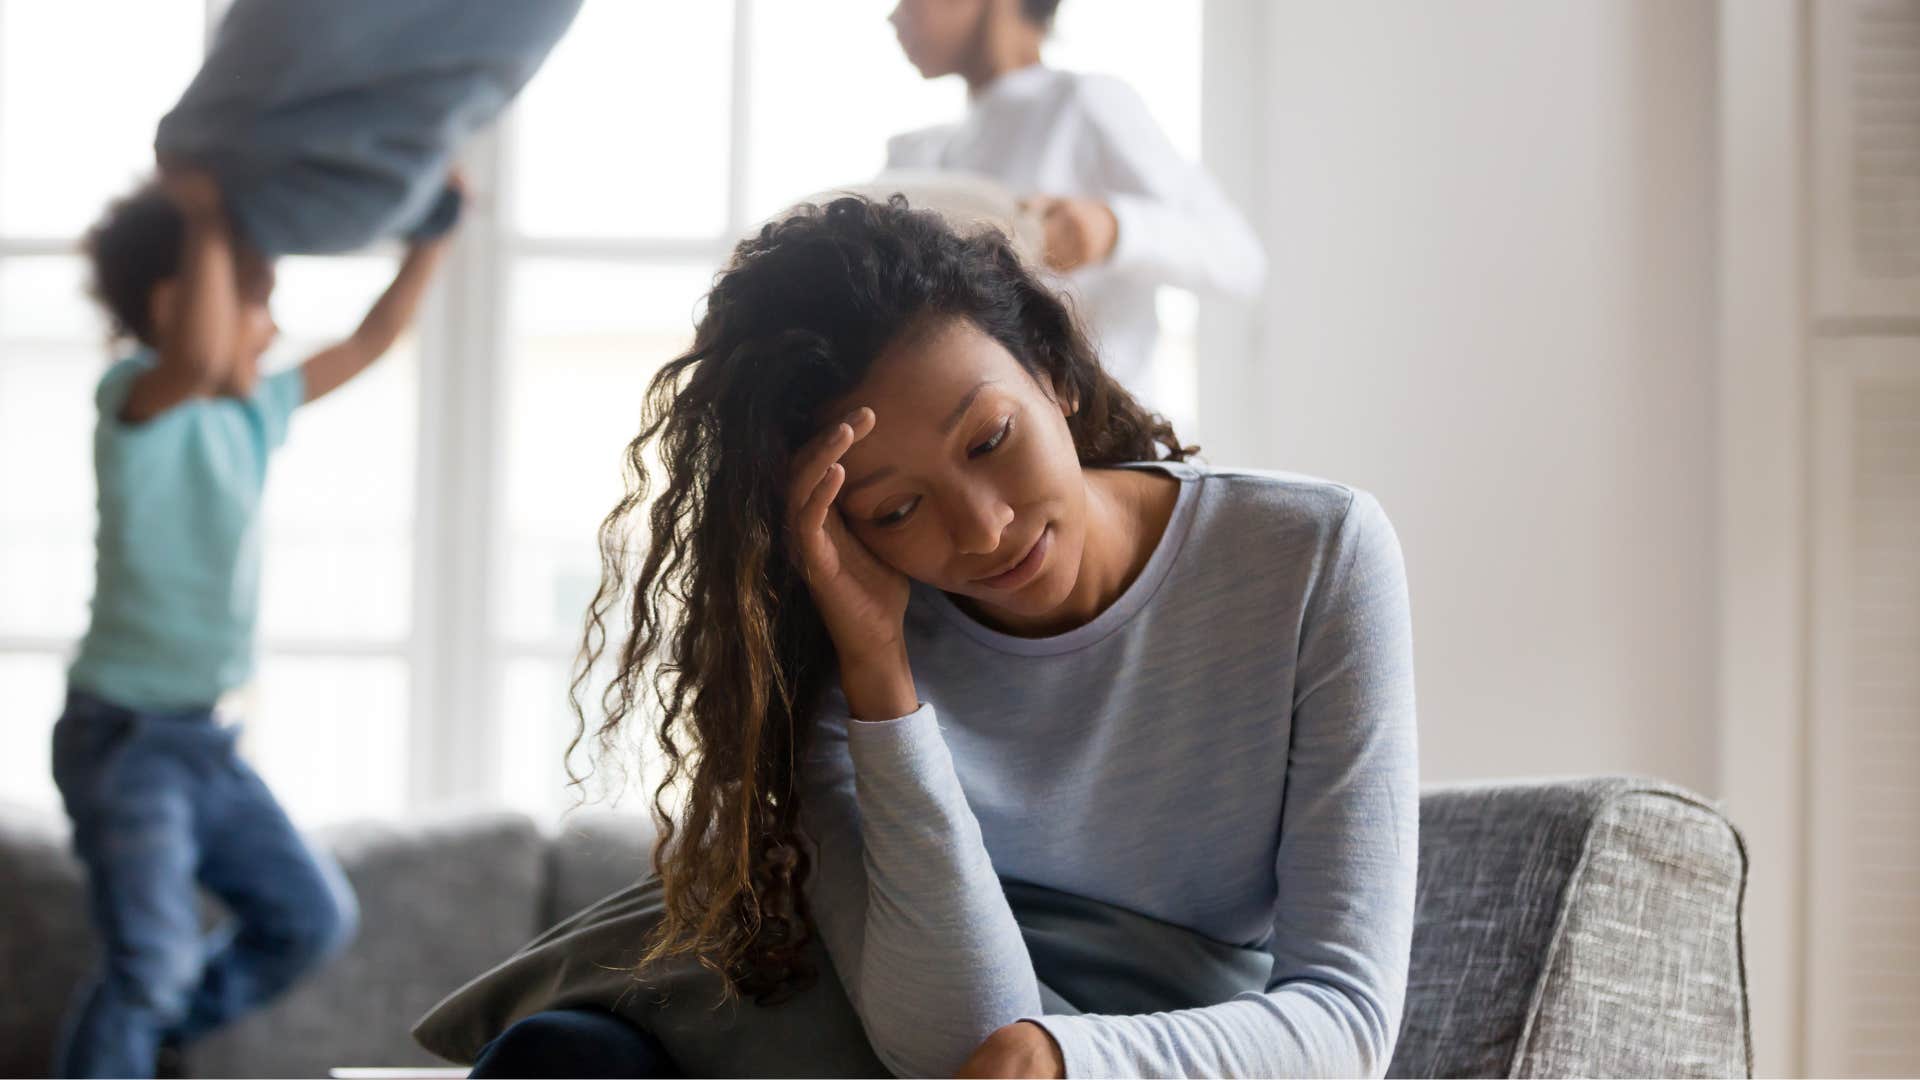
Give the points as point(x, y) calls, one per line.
point(1026, 569)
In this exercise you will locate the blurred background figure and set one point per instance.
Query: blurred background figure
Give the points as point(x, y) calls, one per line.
point(309, 129)
point(162, 803)
point(1124, 212)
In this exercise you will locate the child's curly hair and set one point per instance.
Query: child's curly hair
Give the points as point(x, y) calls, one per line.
point(721, 633)
point(140, 241)
point(133, 247)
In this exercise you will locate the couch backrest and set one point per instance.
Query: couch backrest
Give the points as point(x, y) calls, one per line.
point(46, 942)
point(438, 901)
point(1569, 927)
point(596, 853)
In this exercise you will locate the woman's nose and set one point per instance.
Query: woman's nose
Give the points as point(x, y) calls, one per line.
point(977, 522)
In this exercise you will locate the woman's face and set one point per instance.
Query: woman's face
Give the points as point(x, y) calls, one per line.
point(969, 481)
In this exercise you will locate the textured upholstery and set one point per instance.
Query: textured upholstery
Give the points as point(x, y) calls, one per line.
point(438, 902)
point(1577, 927)
point(1583, 927)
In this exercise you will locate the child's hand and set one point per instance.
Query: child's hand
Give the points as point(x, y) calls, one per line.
point(435, 233)
point(1079, 232)
point(457, 183)
point(193, 190)
point(862, 600)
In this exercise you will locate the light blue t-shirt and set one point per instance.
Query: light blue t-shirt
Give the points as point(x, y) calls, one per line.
point(177, 579)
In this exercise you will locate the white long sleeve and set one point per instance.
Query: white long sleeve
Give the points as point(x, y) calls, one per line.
point(1041, 131)
point(1176, 226)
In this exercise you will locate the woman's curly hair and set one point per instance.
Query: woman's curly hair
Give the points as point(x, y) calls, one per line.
point(723, 643)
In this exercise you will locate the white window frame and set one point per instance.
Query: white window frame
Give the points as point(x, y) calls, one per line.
point(61, 646)
point(461, 527)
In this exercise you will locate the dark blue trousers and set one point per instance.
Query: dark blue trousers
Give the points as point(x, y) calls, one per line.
point(586, 1043)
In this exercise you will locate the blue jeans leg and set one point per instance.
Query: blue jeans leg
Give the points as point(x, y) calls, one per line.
point(292, 906)
point(161, 804)
point(585, 1043)
point(133, 832)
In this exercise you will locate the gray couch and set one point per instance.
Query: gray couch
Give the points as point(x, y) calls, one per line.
point(1580, 927)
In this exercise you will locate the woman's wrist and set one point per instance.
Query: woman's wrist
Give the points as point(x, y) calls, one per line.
point(879, 687)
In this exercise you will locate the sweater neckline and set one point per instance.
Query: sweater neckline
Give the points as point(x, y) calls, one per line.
point(1130, 602)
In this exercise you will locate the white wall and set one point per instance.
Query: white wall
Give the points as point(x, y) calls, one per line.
point(1492, 304)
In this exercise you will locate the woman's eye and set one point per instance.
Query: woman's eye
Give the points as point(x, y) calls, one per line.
point(895, 517)
point(988, 447)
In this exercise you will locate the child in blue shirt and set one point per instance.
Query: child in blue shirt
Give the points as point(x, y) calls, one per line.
point(160, 801)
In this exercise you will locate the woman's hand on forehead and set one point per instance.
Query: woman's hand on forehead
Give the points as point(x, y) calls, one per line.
point(862, 600)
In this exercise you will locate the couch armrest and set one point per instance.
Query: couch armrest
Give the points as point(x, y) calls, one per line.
point(1581, 927)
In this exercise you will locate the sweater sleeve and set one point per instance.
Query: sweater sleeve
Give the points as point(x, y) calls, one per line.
point(905, 896)
point(1175, 224)
point(1343, 921)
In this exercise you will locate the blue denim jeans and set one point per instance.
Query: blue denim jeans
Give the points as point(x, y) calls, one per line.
point(585, 1043)
point(161, 805)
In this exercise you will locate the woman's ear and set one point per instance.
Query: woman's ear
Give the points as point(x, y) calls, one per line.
point(1069, 404)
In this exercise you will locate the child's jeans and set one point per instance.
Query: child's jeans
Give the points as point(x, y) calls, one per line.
point(161, 801)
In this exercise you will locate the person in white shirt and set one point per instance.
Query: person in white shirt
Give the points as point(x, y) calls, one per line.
point(1124, 212)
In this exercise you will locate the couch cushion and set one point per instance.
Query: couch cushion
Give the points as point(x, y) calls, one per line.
point(597, 853)
point(46, 943)
point(438, 902)
point(1582, 927)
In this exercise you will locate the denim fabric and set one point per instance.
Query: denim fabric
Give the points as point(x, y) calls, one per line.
point(573, 1042)
point(161, 801)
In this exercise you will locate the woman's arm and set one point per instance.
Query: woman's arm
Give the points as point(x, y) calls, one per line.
point(1174, 223)
point(1343, 923)
point(905, 895)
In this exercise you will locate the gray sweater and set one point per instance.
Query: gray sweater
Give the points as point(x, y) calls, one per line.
point(1228, 748)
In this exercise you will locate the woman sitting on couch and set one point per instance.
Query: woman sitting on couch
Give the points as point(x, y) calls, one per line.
point(957, 661)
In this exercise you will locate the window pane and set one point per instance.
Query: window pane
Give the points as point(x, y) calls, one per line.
point(625, 131)
point(818, 123)
point(339, 504)
point(50, 359)
point(585, 337)
point(44, 300)
point(32, 688)
point(1176, 361)
point(82, 85)
point(329, 735)
point(536, 726)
